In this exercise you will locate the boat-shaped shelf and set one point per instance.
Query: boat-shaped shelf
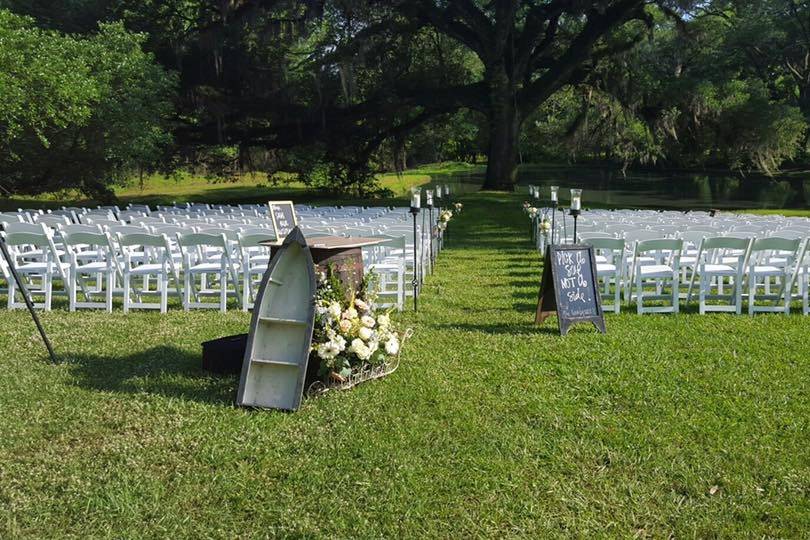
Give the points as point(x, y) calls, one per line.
point(277, 355)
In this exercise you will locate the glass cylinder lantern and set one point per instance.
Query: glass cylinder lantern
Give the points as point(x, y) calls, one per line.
point(576, 199)
point(416, 197)
point(429, 197)
point(554, 190)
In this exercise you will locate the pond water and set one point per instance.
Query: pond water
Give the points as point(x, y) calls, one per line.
point(608, 188)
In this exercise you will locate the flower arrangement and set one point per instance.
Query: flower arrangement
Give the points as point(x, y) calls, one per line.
point(350, 335)
point(545, 225)
point(459, 207)
point(444, 218)
point(532, 211)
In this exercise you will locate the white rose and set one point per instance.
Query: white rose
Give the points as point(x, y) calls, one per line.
point(368, 321)
point(334, 310)
point(361, 305)
point(365, 333)
point(392, 346)
point(350, 313)
point(345, 325)
point(359, 348)
point(383, 321)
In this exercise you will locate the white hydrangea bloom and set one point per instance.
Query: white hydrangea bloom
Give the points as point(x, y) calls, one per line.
point(392, 345)
point(367, 321)
point(334, 310)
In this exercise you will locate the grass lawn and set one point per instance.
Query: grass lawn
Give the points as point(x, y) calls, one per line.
point(249, 188)
point(685, 426)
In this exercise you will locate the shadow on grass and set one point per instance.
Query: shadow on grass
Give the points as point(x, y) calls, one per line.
point(164, 370)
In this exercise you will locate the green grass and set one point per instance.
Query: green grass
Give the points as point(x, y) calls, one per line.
point(685, 426)
point(249, 188)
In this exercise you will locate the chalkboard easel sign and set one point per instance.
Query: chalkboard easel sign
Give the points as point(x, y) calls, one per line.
point(569, 288)
point(284, 218)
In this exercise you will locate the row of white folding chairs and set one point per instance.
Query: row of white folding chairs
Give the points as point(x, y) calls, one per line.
point(719, 263)
point(82, 253)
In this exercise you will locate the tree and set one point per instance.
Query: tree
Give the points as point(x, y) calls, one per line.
point(77, 112)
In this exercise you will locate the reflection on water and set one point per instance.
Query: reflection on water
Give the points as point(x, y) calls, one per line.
point(655, 189)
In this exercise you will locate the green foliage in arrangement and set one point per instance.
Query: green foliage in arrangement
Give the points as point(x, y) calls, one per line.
point(667, 426)
point(77, 112)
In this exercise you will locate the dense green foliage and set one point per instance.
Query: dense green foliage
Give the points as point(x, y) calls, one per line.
point(336, 90)
point(725, 88)
point(668, 426)
point(77, 111)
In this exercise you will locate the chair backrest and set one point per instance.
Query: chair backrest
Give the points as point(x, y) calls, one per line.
point(594, 234)
point(775, 244)
point(613, 244)
point(88, 238)
point(77, 228)
point(53, 221)
point(36, 228)
point(255, 239)
point(143, 239)
point(36, 239)
point(727, 242)
point(9, 217)
point(115, 230)
point(201, 239)
point(660, 244)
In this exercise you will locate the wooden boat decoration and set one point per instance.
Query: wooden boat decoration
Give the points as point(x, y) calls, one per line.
point(277, 355)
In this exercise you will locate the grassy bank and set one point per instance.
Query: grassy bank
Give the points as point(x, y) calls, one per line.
point(248, 188)
point(685, 425)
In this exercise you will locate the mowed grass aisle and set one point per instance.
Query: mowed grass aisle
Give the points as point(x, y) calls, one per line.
point(684, 425)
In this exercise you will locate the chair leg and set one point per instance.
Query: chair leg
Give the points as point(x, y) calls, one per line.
point(188, 279)
point(163, 283)
point(47, 282)
point(738, 295)
point(704, 283)
point(73, 278)
point(639, 296)
point(246, 288)
point(752, 287)
point(223, 291)
point(126, 292)
point(110, 286)
point(676, 292)
point(617, 305)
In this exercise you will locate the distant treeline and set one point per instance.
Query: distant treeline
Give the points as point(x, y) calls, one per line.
point(100, 92)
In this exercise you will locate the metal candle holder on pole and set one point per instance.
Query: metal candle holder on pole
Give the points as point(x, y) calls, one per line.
point(28, 303)
point(446, 231)
point(554, 204)
point(416, 203)
point(576, 208)
point(429, 202)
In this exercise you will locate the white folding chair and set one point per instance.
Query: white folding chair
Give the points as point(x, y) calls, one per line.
point(147, 256)
point(771, 258)
point(101, 267)
point(720, 258)
point(611, 270)
point(200, 261)
point(665, 254)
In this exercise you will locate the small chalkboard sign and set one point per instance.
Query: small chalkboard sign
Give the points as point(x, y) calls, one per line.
point(569, 288)
point(284, 218)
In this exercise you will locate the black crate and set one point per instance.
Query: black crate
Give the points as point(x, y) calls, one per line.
point(224, 355)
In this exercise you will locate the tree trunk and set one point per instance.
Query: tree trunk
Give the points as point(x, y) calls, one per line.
point(504, 128)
